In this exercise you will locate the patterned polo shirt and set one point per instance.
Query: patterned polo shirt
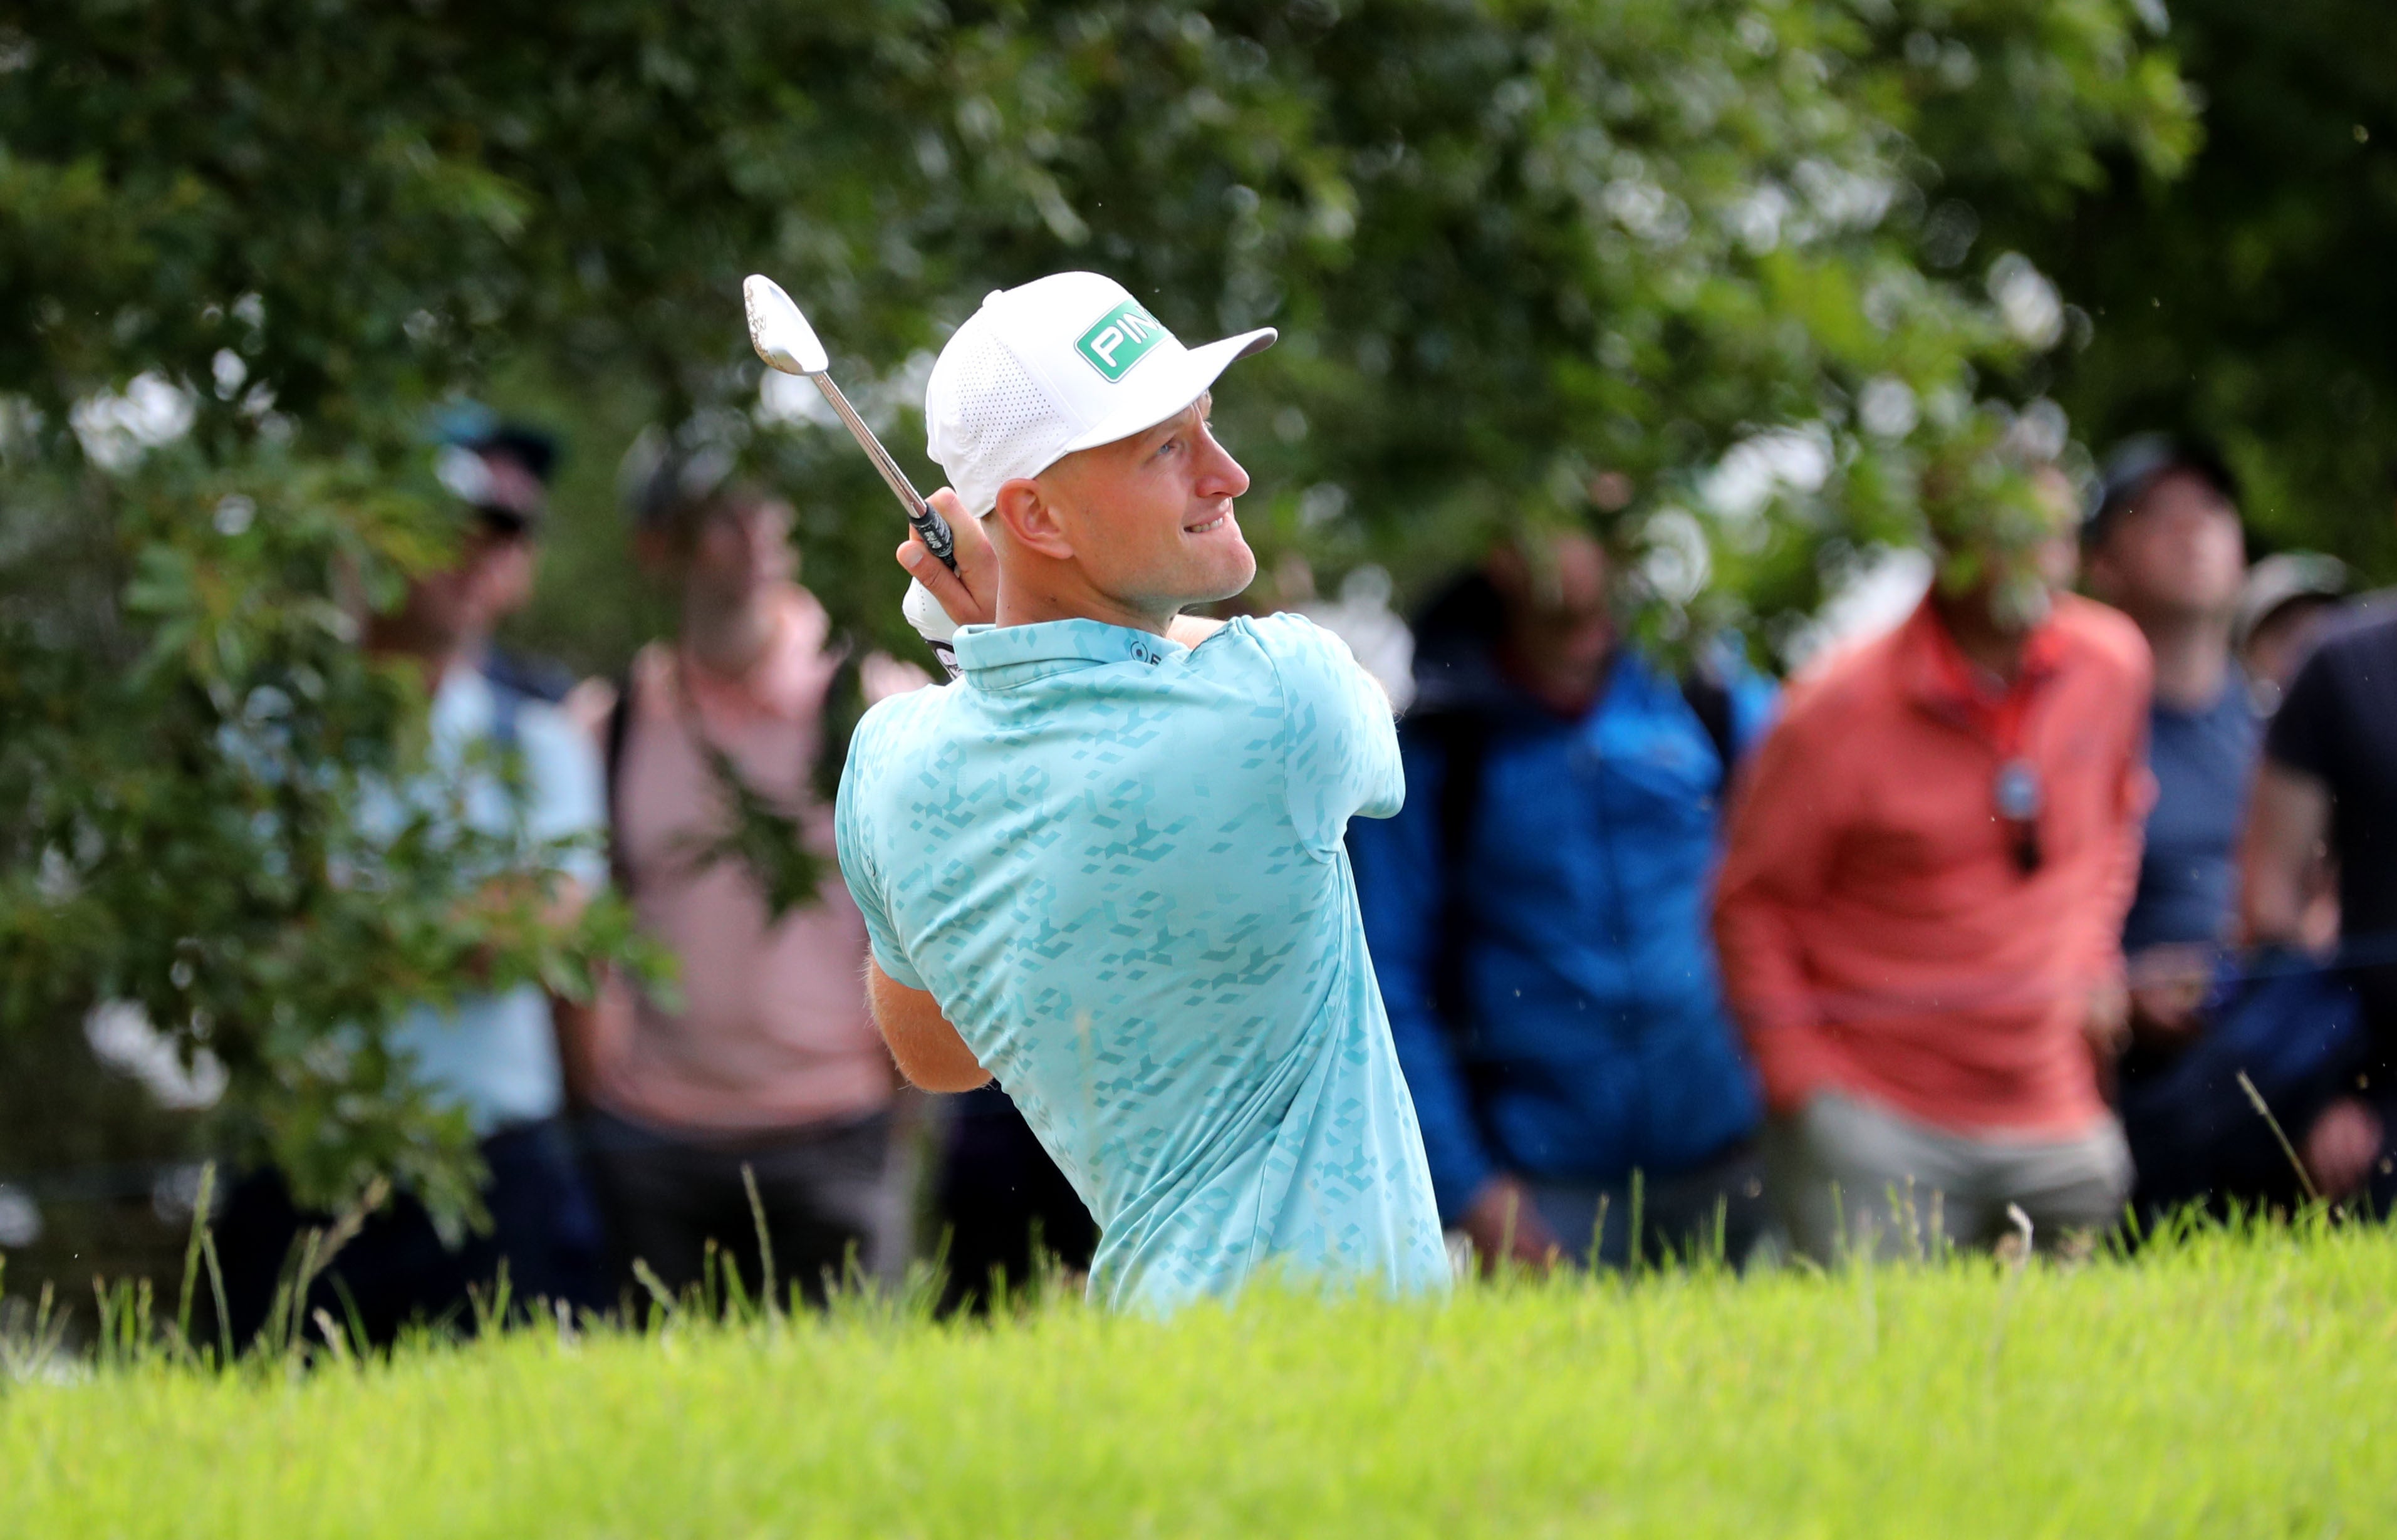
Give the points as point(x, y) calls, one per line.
point(1117, 862)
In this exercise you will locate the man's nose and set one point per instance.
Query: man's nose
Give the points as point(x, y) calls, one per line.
point(1220, 475)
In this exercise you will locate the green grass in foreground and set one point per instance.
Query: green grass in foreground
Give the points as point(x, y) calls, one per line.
point(2233, 1384)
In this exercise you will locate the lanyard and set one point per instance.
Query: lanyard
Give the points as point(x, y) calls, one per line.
point(2018, 799)
point(2017, 794)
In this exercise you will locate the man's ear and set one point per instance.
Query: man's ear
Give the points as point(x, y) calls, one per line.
point(1025, 511)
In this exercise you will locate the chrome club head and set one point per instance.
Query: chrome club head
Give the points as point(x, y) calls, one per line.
point(778, 331)
point(786, 342)
point(783, 339)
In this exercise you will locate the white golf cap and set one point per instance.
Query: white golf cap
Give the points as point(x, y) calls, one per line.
point(1064, 363)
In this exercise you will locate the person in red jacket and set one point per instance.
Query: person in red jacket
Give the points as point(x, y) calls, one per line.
point(1921, 909)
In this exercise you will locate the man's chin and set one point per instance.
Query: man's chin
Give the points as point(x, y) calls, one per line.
point(1233, 566)
point(1204, 569)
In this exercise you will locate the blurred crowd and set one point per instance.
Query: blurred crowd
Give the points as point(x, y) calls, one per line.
point(2069, 902)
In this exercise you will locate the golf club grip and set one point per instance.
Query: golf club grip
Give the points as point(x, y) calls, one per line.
point(934, 531)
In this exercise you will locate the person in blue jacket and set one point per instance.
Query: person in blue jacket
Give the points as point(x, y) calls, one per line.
point(1538, 916)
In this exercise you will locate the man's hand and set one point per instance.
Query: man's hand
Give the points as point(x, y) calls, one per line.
point(2341, 1145)
point(1503, 1223)
point(970, 593)
point(2168, 985)
point(513, 906)
point(2106, 1026)
point(2107, 1022)
point(1789, 1085)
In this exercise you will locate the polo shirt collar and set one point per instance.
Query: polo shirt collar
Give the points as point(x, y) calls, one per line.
point(994, 657)
point(1937, 672)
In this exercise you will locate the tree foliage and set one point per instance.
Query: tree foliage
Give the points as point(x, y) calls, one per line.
point(2247, 301)
point(1529, 259)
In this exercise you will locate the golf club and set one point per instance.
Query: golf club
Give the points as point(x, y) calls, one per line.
point(782, 337)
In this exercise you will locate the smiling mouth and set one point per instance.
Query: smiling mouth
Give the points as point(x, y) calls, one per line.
point(1216, 523)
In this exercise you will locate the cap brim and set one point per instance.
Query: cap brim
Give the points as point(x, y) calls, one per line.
point(1168, 390)
point(2277, 582)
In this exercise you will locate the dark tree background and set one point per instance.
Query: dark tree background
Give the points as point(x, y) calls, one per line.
point(2249, 298)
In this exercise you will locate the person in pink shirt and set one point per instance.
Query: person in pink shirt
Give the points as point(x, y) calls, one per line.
point(762, 1055)
point(1921, 908)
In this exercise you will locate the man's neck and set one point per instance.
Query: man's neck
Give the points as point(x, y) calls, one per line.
point(1995, 649)
point(2193, 660)
point(1035, 597)
point(727, 639)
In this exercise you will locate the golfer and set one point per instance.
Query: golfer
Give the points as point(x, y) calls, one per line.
point(1106, 864)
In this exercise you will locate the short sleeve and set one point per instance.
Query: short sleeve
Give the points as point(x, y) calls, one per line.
point(2303, 735)
point(853, 841)
point(569, 795)
point(1340, 745)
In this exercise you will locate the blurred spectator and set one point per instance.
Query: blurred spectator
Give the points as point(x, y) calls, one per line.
point(1005, 1208)
point(763, 1057)
point(2330, 774)
point(503, 469)
point(2164, 545)
point(1921, 909)
point(2288, 601)
point(1537, 921)
point(494, 1054)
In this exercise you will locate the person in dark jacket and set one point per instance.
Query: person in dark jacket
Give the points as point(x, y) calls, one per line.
point(2209, 1027)
point(1537, 916)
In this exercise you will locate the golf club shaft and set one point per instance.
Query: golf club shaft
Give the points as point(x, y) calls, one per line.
point(929, 527)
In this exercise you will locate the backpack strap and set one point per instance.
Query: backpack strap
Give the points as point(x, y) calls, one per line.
point(1464, 740)
point(611, 750)
point(844, 706)
point(1709, 701)
point(507, 706)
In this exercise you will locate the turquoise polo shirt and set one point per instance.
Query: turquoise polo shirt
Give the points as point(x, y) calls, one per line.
point(1117, 862)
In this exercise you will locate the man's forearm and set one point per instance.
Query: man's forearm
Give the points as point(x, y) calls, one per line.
point(926, 1046)
point(2287, 819)
point(1768, 993)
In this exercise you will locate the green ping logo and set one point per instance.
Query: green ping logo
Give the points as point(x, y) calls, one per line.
point(1122, 339)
